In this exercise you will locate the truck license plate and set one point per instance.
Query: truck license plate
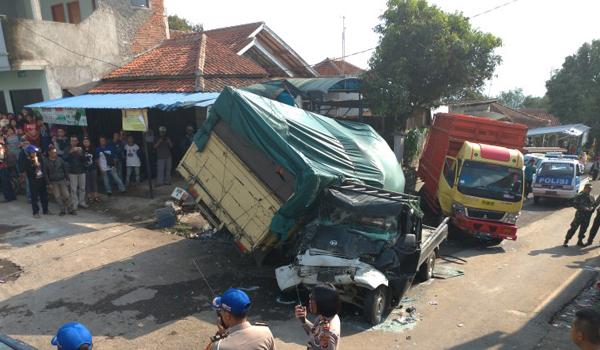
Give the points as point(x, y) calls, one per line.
point(552, 193)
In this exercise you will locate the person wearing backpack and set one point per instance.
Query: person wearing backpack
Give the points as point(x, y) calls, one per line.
point(106, 162)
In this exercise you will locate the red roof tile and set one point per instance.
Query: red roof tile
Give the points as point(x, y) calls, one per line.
point(217, 84)
point(178, 34)
point(519, 116)
point(235, 37)
point(180, 57)
point(173, 57)
point(329, 67)
point(145, 85)
point(543, 114)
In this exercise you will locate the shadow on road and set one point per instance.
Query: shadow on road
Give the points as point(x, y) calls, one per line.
point(558, 251)
point(531, 335)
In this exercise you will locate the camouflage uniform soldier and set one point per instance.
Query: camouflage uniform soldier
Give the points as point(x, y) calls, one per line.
point(584, 203)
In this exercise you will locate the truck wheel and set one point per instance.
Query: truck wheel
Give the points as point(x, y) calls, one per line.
point(495, 241)
point(536, 200)
point(375, 304)
point(426, 270)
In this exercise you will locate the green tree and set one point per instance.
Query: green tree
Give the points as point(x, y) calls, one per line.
point(574, 90)
point(178, 23)
point(512, 98)
point(424, 56)
point(536, 102)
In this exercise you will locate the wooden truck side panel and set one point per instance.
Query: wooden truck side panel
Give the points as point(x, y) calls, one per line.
point(229, 194)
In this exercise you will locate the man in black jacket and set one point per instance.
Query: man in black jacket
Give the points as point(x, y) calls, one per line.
point(74, 156)
point(57, 177)
point(33, 168)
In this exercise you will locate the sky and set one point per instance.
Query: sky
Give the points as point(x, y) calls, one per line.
point(537, 35)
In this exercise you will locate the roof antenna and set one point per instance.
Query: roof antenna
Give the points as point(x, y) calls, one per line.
point(343, 45)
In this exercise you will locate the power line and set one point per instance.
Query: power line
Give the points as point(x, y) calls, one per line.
point(65, 48)
point(493, 9)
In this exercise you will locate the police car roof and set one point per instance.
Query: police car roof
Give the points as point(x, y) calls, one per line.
point(560, 160)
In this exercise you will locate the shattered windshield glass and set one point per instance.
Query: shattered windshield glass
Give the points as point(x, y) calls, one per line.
point(363, 223)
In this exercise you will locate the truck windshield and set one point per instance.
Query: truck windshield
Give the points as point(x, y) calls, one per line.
point(366, 224)
point(557, 170)
point(491, 181)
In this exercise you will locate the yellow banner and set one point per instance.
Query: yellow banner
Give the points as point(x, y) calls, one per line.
point(135, 120)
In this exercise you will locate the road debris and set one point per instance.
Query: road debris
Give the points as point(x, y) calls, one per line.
point(433, 302)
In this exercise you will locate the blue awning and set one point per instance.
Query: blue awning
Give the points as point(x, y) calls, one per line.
point(167, 101)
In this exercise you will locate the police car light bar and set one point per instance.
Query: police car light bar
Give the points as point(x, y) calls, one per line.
point(560, 156)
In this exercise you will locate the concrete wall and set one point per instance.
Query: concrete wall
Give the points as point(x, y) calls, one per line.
point(72, 55)
point(33, 80)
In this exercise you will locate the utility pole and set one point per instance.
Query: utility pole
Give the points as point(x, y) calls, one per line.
point(343, 45)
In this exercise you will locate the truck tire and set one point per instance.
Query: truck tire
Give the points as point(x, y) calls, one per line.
point(426, 270)
point(375, 305)
point(536, 200)
point(495, 241)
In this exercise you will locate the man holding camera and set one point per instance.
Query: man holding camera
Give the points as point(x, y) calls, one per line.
point(233, 327)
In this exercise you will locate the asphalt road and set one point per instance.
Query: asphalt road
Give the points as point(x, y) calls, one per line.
point(139, 289)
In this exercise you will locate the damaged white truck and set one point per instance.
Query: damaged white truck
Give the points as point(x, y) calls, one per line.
point(324, 194)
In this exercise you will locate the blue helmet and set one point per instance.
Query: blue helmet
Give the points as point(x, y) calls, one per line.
point(31, 148)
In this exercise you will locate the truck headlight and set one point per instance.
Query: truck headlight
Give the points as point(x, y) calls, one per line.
point(537, 185)
point(511, 218)
point(567, 187)
point(458, 208)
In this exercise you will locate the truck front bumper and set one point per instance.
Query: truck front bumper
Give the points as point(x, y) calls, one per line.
point(316, 266)
point(485, 229)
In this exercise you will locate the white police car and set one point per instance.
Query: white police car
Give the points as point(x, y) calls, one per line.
point(559, 176)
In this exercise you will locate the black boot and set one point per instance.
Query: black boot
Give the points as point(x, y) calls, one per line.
point(588, 243)
point(566, 243)
point(580, 243)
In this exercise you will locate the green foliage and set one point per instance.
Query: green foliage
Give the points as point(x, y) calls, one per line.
point(425, 55)
point(536, 102)
point(412, 145)
point(512, 98)
point(574, 90)
point(178, 23)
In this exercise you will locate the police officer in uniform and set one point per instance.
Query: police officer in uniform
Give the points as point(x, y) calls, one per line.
point(324, 333)
point(233, 327)
point(584, 203)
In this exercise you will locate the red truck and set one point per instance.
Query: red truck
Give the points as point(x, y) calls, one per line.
point(472, 169)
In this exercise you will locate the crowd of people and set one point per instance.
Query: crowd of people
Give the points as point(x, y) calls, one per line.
point(49, 160)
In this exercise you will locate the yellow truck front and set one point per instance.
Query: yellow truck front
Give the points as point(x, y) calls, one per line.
point(482, 190)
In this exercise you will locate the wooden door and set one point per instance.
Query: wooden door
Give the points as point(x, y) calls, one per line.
point(74, 12)
point(58, 13)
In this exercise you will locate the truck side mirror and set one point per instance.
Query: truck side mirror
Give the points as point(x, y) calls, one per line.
point(410, 241)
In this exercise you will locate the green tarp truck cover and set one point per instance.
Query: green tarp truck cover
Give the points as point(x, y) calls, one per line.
point(317, 150)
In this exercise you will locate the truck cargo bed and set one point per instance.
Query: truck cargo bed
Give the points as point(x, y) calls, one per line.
point(229, 193)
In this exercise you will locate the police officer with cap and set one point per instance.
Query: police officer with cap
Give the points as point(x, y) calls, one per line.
point(73, 336)
point(233, 325)
point(584, 203)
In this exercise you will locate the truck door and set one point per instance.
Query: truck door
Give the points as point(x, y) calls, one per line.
point(446, 184)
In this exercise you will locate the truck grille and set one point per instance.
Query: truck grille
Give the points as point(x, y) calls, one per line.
point(485, 214)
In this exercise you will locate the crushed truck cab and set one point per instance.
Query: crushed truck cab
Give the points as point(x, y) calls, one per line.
point(369, 243)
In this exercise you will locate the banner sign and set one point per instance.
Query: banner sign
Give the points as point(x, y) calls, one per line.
point(62, 116)
point(135, 120)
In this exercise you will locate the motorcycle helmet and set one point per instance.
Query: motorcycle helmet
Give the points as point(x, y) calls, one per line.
point(31, 148)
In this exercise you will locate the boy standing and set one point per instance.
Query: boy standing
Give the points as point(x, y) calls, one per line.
point(133, 155)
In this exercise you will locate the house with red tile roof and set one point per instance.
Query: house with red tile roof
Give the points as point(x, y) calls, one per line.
point(490, 108)
point(187, 64)
point(336, 67)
